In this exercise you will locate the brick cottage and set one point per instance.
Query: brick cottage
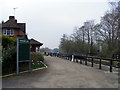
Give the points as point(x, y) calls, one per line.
point(14, 29)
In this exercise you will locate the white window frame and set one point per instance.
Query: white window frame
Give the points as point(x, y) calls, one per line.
point(4, 32)
point(8, 32)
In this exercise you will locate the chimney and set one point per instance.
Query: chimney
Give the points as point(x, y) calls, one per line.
point(2, 22)
point(15, 20)
point(11, 17)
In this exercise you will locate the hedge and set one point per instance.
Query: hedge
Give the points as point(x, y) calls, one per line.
point(8, 55)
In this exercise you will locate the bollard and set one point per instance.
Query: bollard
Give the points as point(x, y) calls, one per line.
point(72, 57)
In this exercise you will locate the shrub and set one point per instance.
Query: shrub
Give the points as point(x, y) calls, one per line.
point(8, 42)
point(9, 61)
point(36, 57)
point(9, 55)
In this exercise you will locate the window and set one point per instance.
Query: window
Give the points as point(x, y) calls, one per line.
point(4, 31)
point(12, 32)
point(8, 32)
point(37, 49)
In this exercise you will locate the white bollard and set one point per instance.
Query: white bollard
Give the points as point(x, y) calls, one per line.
point(72, 57)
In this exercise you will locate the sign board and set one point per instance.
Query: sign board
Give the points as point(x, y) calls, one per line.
point(24, 49)
point(23, 52)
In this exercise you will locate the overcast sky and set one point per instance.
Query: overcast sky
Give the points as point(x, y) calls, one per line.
point(48, 20)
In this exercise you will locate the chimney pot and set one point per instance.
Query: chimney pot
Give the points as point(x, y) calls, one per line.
point(11, 17)
point(16, 21)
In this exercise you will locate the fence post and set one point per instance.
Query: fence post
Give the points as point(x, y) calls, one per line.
point(80, 61)
point(85, 60)
point(110, 65)
point(92, 62)
point(100, 64)
point(70, 57)
point(77, 60)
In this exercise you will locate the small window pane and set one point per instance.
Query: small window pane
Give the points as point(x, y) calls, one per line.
point(8, 32)
point(4, 32)
point(11, 32)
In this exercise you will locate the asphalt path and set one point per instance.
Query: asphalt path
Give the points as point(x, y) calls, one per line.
point(63, 74)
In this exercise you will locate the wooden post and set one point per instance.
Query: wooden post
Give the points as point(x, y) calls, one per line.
point(85, 61)
point(70, 57)
point(92, 62)
point(111, 65)
point(77, 60)
point(80, 61)
point(100, 64)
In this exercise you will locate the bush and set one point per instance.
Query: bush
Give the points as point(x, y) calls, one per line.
point(8, 42)
point(9, 61)
point(36, 57)
point(9, 55)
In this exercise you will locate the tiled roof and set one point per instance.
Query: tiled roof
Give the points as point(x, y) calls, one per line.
point(35, 42)
point(12, 23)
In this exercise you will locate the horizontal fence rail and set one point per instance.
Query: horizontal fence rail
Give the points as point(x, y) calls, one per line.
point(91, 59)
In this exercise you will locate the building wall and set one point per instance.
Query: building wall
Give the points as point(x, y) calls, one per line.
point(18, 32)
point(33, 48)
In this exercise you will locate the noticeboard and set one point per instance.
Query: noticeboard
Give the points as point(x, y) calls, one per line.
point(24, 49)
point(23, 53)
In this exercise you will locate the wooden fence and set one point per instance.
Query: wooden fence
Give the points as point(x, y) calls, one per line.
point(92, 60)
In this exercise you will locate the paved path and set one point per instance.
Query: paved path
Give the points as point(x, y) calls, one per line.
point(63, 74)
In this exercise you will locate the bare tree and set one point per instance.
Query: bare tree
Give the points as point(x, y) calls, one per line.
point(103, 36)
point(89, 29)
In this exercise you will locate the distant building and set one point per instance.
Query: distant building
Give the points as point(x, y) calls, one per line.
point(35, 45)
point(14, 29)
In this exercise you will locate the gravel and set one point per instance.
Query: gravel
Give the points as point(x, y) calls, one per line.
point(63, 74)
